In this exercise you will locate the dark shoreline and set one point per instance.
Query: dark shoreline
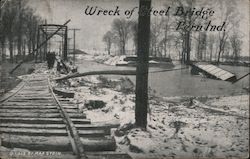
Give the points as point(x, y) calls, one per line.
point(10, 81)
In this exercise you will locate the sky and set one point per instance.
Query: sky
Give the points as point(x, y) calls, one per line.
point(92, 28)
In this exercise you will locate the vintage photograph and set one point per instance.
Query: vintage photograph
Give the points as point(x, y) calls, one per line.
point(124, 79)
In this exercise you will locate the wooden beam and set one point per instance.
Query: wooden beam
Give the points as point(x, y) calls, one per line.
point(107, 72)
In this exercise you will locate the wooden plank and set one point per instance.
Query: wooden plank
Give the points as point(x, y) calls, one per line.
point(38, 79)
point(34, 132)
point(49, 143)
point(105, 127)
point(29, 111)
point(31, 101)
point(37, 90)
point(213, 72)
point(28, 91)
point(31, 115)
point(80, 121)
point(70, 107)
point(32, 98)
point(67, 104)
point(107, 155)
point(71, 110)
point(37, 86)
point(77, 115)
point(106, 72)
point(31, 120)
point(91, 133)
point(62, 93)
point(33, 126)
point(63, 100)
point(27, 104)
point(39, 143)
point(31, 95)
point(27, 107)
point(99, 144)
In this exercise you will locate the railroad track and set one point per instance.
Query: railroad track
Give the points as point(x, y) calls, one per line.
point(34, 122)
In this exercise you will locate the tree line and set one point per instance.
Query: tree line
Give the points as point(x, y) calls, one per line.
point(185, 45)
point(18, 30)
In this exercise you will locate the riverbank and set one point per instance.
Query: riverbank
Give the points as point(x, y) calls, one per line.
point(207, 123)
point(178, 127)
point(9, 81)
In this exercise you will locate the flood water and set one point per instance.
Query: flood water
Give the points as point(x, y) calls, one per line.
point(180, 82)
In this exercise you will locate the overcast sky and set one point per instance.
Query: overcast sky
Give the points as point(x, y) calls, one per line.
point(93, 27)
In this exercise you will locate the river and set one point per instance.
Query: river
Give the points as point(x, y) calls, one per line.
point(180, 82)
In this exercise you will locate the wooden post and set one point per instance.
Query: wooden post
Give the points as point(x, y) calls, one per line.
point(141, 102)
point(74, 46)
point(65, 49)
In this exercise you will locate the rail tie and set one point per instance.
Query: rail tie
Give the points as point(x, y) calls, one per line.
point(34, 118)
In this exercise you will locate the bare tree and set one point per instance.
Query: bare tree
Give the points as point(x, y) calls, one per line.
point(177, 45)
point(108, 38)
point(2, 34)
point(154, 36)
point(32, 22)
point(167, 24)
point(211, 42)
point(186, 34)
point(229, 15)
point(134, 32)
point(236, 44)
point(201, 46)
point(18, 26)
point(121, 28)
point(9, 23)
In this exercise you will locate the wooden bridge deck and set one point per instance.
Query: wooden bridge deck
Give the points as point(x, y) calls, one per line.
point(213, 71)
point(33, 118)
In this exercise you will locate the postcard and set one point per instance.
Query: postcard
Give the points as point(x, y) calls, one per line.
point(134, 79)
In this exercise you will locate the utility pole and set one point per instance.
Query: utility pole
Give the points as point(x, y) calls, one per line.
point(141, 99)
point(68, 42)
point(74, 45)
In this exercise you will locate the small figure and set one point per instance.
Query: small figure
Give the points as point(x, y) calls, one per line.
point(51, 56)
point(59, 65)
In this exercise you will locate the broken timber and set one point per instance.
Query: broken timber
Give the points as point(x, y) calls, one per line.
point(64, 94)
point(108, 72)
point(212, 71)
point(111, 72)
